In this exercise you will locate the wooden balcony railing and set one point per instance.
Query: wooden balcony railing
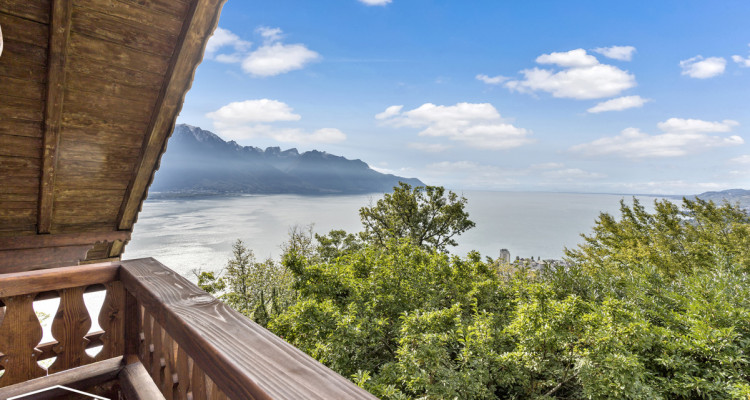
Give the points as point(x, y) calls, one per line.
point(161, 336)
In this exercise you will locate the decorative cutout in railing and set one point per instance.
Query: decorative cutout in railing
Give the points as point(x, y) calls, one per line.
point(21, 332)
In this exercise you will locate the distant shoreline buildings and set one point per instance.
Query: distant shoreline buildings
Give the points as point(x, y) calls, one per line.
point(536, 264)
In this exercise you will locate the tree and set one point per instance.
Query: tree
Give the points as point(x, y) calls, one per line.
point(425, 215)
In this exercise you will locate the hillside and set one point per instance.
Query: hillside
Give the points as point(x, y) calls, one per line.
point(198, 161)
point(731, 195)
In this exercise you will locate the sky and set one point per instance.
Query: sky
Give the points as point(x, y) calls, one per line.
point(635, 97)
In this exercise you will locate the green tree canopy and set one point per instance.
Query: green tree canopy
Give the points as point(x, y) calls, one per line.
point(425, 215)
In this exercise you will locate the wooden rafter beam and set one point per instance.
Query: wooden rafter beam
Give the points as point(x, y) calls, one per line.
point(59, 34)
point(200, 22)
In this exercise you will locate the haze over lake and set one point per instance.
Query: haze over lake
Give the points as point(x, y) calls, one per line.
point(187, 234)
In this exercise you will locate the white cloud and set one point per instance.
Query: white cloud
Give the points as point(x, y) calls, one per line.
point(743, 62)
point(250, 119)
point(622, 53)
point(700, 68)
point(681, 137)
point(743, 159)
point(696, 125)
point(583, 77)
point(572, 59)
point(429, 147)
point(619, 104)
point(263, 110)
point(278, 58)
point(389, 112)
point(475, 124)
point(492, 80)
point(375, 2)
point(223, 38)
point(270, 59)
point(270, 34)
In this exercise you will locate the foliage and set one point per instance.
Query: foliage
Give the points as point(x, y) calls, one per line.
point(652, 305)
point(259, 290)
point(426, 215)
point(405, 321)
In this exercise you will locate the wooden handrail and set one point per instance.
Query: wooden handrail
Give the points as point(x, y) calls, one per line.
point(243, 359)
point(21, 283)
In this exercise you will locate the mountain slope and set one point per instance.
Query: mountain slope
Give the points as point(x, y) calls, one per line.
point(199, 161)
point(731, 195)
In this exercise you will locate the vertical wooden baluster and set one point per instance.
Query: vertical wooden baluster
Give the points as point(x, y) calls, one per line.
point(170, 379)
point(158, 361)
point(111, 319)
point(198, 383)
point(147, 350)
point(20, 333)
point(216, 393)
point(133, 328)
point(183, 374)
point(69, 328)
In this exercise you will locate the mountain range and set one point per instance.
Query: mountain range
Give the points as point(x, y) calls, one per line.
point(741, 196)
point(199, 162)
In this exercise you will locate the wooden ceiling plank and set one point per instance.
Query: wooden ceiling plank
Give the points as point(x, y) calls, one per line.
point(134, 34)
point(58, 48)
point(24, 30)
point(37, 10)
point(20, 146)
point(116, 54)
point(23, 52)
point(170, 23)
point(203, 18)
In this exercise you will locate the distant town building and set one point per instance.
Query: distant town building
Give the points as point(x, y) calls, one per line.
point(504, 256)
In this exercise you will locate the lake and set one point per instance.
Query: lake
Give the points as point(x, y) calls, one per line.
point(189, 234)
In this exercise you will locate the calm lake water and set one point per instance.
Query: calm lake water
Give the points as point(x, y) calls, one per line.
point(198, 233)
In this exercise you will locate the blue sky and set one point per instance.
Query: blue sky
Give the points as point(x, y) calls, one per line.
point(584, 96)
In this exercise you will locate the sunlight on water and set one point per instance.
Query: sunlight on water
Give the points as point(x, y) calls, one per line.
point(198, 233)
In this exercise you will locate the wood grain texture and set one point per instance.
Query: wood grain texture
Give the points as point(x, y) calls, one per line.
point(20, 333)
point(19, 127)
point(136, 383)
point(170, 22)
point(20, 146)
point(42, 241)
point(12, 261)
point(201, 20)
point(24, 30)
point(33, 10)
point(136, 35)
point(33, 282)
point(112, 320)
point(47, 349)
point(69, 327)
point(79, 378)
point(245, 360)
point(58, 51)
point(116, 54)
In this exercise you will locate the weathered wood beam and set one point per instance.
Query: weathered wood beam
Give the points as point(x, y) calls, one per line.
point(61, 239)
point(201, 20)
point(59, 34)
point(243, 359)
point(137, 384)
point(19, 283)
point(76, 378)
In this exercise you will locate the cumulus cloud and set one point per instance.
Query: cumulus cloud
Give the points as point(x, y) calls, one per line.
point(223, 38)
point(619, 104)
point(263, 110)
point(581, 77)
point(700, 68)
point(622, 53)
point(742, 61)
point(272, 58)
point(250, 119)
point(475, 124)
point(680, 137)
point(278, 58)
point(492, 80)
point(389, 112)
point(375, 2)
point(429, 147)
